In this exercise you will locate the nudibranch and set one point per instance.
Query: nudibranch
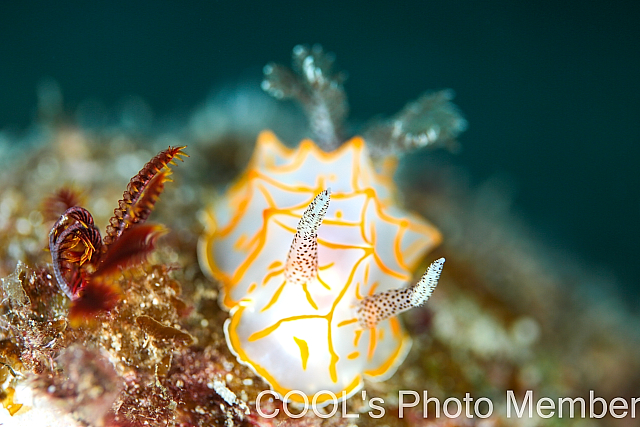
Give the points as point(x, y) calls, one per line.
point(314, 259)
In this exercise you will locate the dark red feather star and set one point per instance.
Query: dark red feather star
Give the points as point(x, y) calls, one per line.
point(85, 265)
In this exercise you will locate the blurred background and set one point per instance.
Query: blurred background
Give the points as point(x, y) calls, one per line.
point(551, 89)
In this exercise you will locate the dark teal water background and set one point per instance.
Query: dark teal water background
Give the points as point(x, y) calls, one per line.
point(551, 89)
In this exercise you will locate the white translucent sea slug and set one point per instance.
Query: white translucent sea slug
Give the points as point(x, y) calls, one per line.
point(314, 259)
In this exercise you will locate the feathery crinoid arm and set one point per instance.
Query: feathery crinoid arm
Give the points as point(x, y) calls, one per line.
point(142, 193)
